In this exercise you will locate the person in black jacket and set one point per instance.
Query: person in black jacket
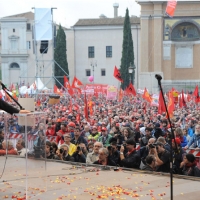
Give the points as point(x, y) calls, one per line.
point(150, 163)
point(131, 159)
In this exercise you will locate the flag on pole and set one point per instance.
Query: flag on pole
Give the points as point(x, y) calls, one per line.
point(147, 96)
point(170, 106)
point(171, 6)
point(117, 74)
point(86, 107)
point(196, 94)
point(76, 83)
point(66, 82)
point(130, 89)
point(161, 104)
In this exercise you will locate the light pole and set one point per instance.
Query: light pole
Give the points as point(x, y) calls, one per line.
point(93, 64)
point(130, 71)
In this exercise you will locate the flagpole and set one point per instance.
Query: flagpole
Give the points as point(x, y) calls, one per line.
point(159, 77)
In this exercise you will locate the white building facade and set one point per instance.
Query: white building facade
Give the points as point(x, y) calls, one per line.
point(96, 48)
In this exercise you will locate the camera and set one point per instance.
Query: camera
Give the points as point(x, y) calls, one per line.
point(152, 146)
point(109, 148)
point(61, 151)
point(79, 148)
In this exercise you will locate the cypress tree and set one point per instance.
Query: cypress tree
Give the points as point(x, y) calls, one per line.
point(60, 56)
point(127, 52)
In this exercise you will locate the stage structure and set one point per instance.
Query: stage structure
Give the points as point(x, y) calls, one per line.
point(44, 41)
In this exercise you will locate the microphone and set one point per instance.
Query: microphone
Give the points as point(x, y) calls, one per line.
point(3, 86)
point(158, 77)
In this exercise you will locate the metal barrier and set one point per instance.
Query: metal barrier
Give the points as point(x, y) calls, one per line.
point(14, 137)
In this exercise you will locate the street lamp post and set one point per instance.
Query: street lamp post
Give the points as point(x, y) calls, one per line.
point(130, 71)
point(93, 64)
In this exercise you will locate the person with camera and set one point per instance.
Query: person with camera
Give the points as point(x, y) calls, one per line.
point(114, 152)
point(162, 157)
point(80, 154)
point(104, 159)
point(131, 159)
point(118, 138)
point(143, 152)
point(63, 153)
point(150, 163)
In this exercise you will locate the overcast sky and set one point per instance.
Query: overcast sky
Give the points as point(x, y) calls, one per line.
point(69, 11)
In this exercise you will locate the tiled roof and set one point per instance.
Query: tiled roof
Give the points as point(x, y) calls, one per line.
point(106, 21)
point(28, 15)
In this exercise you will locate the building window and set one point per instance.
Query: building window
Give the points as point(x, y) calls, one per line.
point(13, 30)
point(88, 72)
point(90, 52)
point(14, 66)
point(28, 44)
point(103, 72)
point(108, 51)
point(14, 44)
point(28, 26)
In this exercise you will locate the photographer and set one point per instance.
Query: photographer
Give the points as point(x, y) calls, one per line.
point(62, 153)
point(114, 153)
point(80, 154)
point(143, 152)
point(118, 138)
point(162, 157)
point(131, 159)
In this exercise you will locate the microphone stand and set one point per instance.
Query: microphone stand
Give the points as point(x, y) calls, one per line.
point(158, 77)
point(6, 91)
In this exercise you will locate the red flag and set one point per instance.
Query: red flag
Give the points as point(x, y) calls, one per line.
point(130, 89)
point(117, 74)
point(188, 97)
point(86, 108)
point(70, 91)
point(66, 82)
point(171, 6)
point(56, 90)
point(76, 83)
point(180, 102)
point(38, 102)
point(170, 106)
point(147, 96)
point(183, 99)
point(161, 104)
point(196, 94)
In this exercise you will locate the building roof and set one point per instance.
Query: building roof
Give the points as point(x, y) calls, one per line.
point(106, 21)
point(28, 15)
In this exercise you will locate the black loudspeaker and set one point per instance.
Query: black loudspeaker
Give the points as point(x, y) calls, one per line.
point(44, 46)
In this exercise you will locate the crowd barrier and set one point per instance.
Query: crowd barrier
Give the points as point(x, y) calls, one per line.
point(14, 137)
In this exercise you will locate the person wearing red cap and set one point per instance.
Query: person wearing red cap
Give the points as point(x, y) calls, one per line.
point(105, 137)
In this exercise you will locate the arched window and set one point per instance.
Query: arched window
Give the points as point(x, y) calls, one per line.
point(185, 31)
point(14, 66)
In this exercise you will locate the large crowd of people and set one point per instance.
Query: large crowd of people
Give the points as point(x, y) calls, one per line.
point(129, 133)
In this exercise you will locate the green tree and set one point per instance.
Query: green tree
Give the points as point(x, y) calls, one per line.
point(127, 52)
point(60, 56)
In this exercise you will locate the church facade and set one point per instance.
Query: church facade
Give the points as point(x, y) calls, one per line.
point(169, 46)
